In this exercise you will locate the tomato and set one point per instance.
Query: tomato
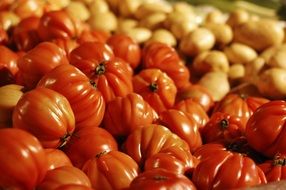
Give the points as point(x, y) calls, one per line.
point(144, 142)
point(183, 125)
point(27, 8)
point(86, 143)
point(3, 37)
point(174, 159)
point(63, 176)
point(158, 179)
point(39, 61)
point(95, 35)
point(56, 158)
point(58, 24)
point(126, 48)
point(73, 187)
point(125, 114)
point(197, 93)
point(104, 169)
point(222, 127)
point(46, 114)
point(25, 35)
point(8, 59)
point(194, 110)
point(275, 170)
point(66, 44)
point(239, 105)
point(265, 129)
point(164, 57)
point(156, 87)
point(23, 160)
point(86, 101)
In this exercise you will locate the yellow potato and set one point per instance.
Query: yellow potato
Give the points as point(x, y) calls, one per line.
point(139, 34)
point(78, 10)
point(153, 21)
point(237, 17)
point(222, 32)
point(8, 19)
point(253, 69)
point(124, 24)
point(240, 53)
point(109, 23)
point(181, 29)
point(98, 6)
point(164, 36)
point(146, 9)
point(215, 17)
point(128, 8)
point(236, 73)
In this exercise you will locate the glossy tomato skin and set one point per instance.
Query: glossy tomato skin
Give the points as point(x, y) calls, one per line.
point(51, 125)
point(144, 142)
point(135, 111)
point(126, 48)
point(275, 169)
point(73, 187)
point(265, 129)
point(184, 125)
point(94, 35)
point(3, 37)
point(39, 61)
point(164, 57)
point(87, 143)
point(8, 59)
point(158, 179)
point(66, 44)
point(156, 87)
point(86, 101)
point(222, 127)
point(23, 160)
point(104, 169)
point(56, 158)
point(62, 176)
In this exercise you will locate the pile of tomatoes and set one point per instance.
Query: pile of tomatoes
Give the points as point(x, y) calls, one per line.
point(84, 109)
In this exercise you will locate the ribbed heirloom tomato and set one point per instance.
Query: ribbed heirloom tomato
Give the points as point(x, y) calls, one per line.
point(56, 158)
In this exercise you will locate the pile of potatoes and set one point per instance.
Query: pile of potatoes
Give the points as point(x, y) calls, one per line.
point(222, 50)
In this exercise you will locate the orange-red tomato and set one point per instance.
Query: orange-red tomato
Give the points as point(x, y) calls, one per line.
point(87, 142)
point(94, 35)
point(23, 160)
point(64, 175)
point(164, 57)
point(104, 169)
point(8, 59)
point(3, 37)
point(46, 114)
point(265, 130)
point(66, 44)
point(56, 158)
point(125, 114)
point(86, 101)
point(158, 179)
point(73, 187)
point(39, 61)
point(126, 48)
point(183, 125)
point(156, 87)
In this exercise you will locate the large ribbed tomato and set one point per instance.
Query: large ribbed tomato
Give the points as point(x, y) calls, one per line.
point(125, 114)
point(86, 101)
point(39, 61)
point(164, 57)
point(184, 125)
point(56, 158)
point(266, 129)
point(159, 179)
point(8, 59)
point(73, 187)
point(144, 142)
point(46, 114)
point(23, 160)
point(94, 35)
point(156, 87)
point(87, 142)
point(126, 48)
point(105, 168)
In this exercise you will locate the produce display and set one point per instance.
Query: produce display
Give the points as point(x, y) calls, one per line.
point(142, 94)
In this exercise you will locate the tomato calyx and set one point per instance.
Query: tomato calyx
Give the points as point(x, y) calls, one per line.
point(93, 84)
point(64, 139)
point(243, 96)
point(160, 178)
point(101, 154)
point(153, 87)
point(100, 68)
point(224, 123)
point(279, 160)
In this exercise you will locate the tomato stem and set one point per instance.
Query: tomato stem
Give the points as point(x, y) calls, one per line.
point(224, 123)
point(100, 69)
point(92, 83)
point(64, 140)
point(153, 87)
point(160, 178)
point(101, 154)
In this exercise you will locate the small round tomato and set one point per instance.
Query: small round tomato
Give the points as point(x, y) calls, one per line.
point(158, 179)
point(23, 160)
point(104, 169)
point(46, 114)
point(56, 158)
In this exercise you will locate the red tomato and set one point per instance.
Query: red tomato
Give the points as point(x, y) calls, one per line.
point(8, 59)
point(86, 101)
point(25, 34)
point(23, 160)
point(87, 142)
point(147, 141)
point(156, 87)
point(222, 127)
point(126, 48)
point(93, 36)
point(104, 169)
point(39, 61)
point(164, 57)
point(66, 44)
point(56, 158)
point(183, 125)
point(174, 159)
point(135, 111)
point(64, 175)
point(73, 187)
point(3, 36)
point(46, 114)
point(58, 24)
point(158, 179)
point(265, 130)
